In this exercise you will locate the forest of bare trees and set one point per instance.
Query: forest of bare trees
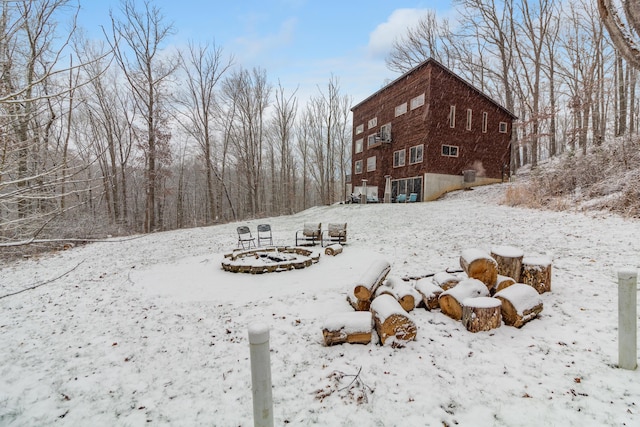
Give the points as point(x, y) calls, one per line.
point(123, 134)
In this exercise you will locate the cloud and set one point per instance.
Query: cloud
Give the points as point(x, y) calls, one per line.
point(381, 39)
point(258, 45)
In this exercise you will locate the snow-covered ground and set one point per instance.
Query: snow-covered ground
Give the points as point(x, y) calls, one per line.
point(151, 331)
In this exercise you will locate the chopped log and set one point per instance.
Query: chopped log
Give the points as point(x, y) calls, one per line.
point(446, 280)
point(373, 277)
point(429, 292)
point(509, 261)
point(536, 272)
point(406, 294)
point(520, 304)
point(451, 299)
point(478, 264)
point(352, 328)
point(392, 321)
point(360, 296)
point(333, 250)
point(502, 282)
point(481, 314)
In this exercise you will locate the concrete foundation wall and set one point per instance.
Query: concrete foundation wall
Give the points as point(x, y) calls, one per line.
point(435, 185)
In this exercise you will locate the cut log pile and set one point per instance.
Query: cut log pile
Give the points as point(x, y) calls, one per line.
point(503, 285)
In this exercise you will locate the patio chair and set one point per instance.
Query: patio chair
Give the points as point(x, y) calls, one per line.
point(264, 234)
point(413, 197)
point(245, 237)
point(311, 234)
point(336, 233)
point(401, 198)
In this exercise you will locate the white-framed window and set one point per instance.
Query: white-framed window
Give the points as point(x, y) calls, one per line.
point(417, 101)
point(385, 132)
point(373, 123)
point(371, 140)
point(359, 145)
point(371, 163)
point(450, 151)
point(485, 119)
point(469, 117)
point(359, 129)
point(503, 127)
point(399, 158)
point(452, 116)
point(401, 109)
point(416, 154)
point(358, 167)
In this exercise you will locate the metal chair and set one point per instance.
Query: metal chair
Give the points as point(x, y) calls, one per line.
point(264, 234)
point(245, 237)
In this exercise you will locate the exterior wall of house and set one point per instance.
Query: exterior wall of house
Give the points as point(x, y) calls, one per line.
point(428, 92)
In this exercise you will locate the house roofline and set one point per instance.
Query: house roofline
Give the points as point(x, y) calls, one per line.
point(433, 61)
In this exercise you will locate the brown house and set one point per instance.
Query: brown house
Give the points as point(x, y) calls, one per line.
point(426, 133)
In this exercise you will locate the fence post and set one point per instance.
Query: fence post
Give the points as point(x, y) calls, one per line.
point(627, 319)
point(261, 375)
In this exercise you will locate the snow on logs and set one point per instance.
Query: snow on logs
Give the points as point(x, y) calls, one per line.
point(366, 286)
point(402, 291)
point(451, 300)
point(481, 314)
point(430, 292)
point(520, 304)
point(479, 264)
point(536, 272)
point(333, 250)
point(392, 321)
point(509, 261)
point(353, 328)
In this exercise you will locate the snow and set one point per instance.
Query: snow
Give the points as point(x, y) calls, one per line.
point(482, 302)
point(537, 260)
point(151, 331)
point(349, 322)
point(467, 288)
point(473, 254)
point(507, 251)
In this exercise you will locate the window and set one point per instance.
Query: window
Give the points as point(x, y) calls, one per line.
point(359, 145)
point(417, 101)
point(385, 132)
point(398, 158)
point(359, 129)
point(401, 109)
point(371, 163)
point(373, 123)
point(415, 154)
point(358, 166)
point(450, 151)
point(469, 116)
point(485, 118)
point(452, 116)
point(503, 127)
point(371, 140)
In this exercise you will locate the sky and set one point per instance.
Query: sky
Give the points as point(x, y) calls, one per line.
point(300, 43)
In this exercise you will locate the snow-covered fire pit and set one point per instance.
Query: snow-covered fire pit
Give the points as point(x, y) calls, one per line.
point(269, 260)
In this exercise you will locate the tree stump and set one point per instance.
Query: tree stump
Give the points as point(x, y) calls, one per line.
point(445, 280)
point(509, 260)
point(353, 328)
point(392, 321)
point(502, 282)
point(479, 265)
point(429, 292)
point(333, 250)
point(520, 304)
point(366, 286)
point(481, 314)
point(451, 299)
point(536, 272)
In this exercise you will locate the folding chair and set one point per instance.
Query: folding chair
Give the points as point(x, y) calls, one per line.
point(264, 234)
point(245, 237)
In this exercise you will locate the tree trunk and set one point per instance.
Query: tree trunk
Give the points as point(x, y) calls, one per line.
point(509, 261)
point(352, 328)
point(392, 322)
point(451, 300)
point(536, 272)
point(479, 265)
point(481, 314)
point(430, 293)
point(520, 304)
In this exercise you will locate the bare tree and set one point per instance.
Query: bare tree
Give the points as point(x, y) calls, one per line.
point(285, 110)
point(137, 39)
point(624, 37)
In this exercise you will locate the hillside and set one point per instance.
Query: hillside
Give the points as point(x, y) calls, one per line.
point(151, 331)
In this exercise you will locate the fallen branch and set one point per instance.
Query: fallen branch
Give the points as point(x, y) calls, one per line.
point(73, 240)
point(41, 284)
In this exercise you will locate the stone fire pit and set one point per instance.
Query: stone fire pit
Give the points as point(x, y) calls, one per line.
point(269, 260)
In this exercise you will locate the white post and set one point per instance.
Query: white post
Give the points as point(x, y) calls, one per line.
point(627, 323)
point(261, 375)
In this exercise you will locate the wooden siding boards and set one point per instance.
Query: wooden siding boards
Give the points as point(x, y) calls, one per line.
point(428, 125)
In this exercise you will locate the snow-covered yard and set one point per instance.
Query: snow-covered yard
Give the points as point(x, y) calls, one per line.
point(151, 331)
